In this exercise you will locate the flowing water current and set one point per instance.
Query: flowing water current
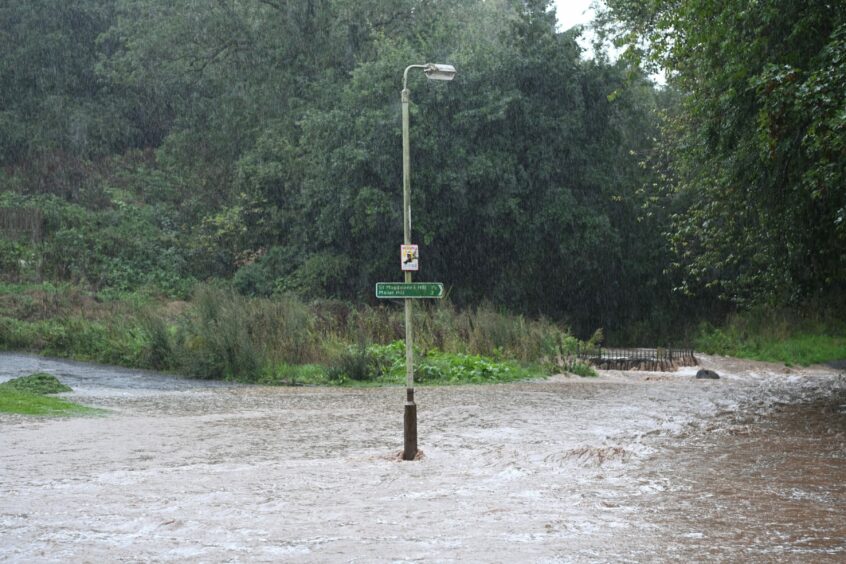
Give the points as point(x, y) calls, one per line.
point(637, 467)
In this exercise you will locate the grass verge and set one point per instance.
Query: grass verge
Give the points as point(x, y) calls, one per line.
point(27, 396)
point(776, 337)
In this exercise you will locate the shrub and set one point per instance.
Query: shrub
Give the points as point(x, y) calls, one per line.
point(294, 374)
point(581, 369)
point(215, 340)
point(18, 261)
point(282, 328)
point(261, 278)
point(355, 363)
point(16, 335)
point(157, 350)
point(438, 367)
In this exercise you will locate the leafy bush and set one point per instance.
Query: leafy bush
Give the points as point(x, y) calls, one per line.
point(355, 363)
point(261, 278)
point(254, 280)
point(18, 260)
point(387, 362)
point(157, 348)
point(581, 369)
point(121, 246)
point(15, 335)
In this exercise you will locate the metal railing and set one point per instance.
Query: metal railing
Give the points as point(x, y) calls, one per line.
point(660, 359)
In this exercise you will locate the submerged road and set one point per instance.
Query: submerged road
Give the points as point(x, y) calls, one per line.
point(625, 467)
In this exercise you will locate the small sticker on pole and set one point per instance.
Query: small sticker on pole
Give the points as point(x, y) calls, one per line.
point(409, 257)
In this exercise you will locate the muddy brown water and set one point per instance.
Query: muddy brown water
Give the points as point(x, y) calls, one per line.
point(638, 467)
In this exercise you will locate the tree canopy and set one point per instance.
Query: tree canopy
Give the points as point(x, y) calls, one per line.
point(259, 141)
point(758, 143)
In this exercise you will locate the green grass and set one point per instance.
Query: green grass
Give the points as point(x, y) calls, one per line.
point(803, 350)
point(582, 369)
point(26, 396)
point(26, 403)
point(38, 383)
point(775, 337)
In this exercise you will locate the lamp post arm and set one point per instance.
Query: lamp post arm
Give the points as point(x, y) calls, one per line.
point(405, 74)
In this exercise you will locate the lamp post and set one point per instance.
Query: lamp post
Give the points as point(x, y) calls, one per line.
point(433, 72)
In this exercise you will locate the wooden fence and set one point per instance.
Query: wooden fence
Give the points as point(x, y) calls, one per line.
point(22, 223)
point(658, 359)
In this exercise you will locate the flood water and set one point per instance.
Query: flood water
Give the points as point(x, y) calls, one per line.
point(629, 466)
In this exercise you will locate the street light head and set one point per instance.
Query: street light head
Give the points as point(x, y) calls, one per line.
point(439, 72)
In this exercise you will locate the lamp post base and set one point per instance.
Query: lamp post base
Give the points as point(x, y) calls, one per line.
point(409, 451)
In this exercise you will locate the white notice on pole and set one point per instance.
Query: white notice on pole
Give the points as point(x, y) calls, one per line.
point(409, 257)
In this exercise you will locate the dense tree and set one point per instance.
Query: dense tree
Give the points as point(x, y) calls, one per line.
point(757, 146)
point(524, 175)
point(260, 139)
point(54, 114)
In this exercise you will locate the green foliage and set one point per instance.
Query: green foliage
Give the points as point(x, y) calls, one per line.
point(562, 356)
point(38, 383)
point(455, 368)
point(124, 248)
point(284, 374)
point(756, 179)
point(27, 403)
point(355, 363)
point(774, 336)
point(14, 334)
point(76, 337)
point(55, 113)
point(168, 142)
point(224, 335)
point(386, 363)
point(254, 279)
point(215, 338)
point(157, 348)
point(177, 148)
point(26, 396)
point(259, 141)
point(523, 188)
point(18, 260)
point(221, 334)
point(581, 369)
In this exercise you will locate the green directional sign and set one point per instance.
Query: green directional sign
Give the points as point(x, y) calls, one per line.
point(409, 290)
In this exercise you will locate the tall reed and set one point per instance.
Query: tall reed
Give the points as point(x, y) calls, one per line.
point(222, 334)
